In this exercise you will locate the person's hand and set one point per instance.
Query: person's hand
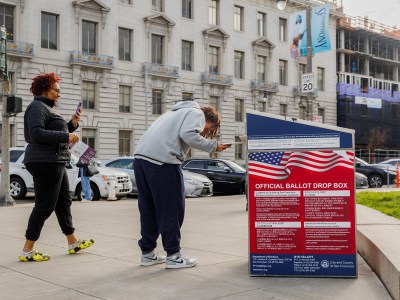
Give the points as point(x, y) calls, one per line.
point(73, 138)
point(222, 147)
point(76, 117)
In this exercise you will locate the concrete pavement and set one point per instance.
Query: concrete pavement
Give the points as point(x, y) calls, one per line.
point(214, 231)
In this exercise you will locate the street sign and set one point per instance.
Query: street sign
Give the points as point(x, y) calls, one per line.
point(307, 82)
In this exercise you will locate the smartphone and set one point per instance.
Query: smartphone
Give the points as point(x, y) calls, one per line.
point(78, 107)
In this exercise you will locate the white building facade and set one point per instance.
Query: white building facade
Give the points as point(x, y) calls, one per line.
point(122, 56)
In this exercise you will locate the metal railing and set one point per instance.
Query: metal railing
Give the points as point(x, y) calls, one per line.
point(213, 78)
point(99, 60)
point(369, 25)
point(269, 86)
point(160, 70)
point(20, 48)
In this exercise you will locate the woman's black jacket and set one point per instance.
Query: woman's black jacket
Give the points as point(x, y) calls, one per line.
point(46, 132)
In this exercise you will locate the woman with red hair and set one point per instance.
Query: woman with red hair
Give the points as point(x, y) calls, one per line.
point(48, 136)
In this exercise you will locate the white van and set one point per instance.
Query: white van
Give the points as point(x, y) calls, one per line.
point(21, 180)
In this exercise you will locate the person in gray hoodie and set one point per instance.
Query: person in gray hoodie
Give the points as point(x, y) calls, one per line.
point(158, 156)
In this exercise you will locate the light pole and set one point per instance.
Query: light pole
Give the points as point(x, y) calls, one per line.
point(281, 4)
point(5, 197)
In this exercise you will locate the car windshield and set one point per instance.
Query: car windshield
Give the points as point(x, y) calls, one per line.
point(15, 154)
point(390, 162)
point(235, 167)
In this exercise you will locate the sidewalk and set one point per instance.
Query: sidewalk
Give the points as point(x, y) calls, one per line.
point(214, 231)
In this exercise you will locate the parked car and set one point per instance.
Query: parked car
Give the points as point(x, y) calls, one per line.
point(195, 184)
point(21, 180)
point(361, 181)
point(376, 176)
point(390, 163)
point(227, 176)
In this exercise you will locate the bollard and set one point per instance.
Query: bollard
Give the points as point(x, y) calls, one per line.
point(397, 175)
point(111, 190)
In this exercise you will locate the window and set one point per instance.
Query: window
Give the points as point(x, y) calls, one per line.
point(261, 23)
point(364, 110)
point(282, 72)
point(187, 96)
point(282, 29)
point(125, 1)
point(283, 109)
point(195, 164)
point(12, 143)
point(187, 55)
point(124, 142)
point(303, 108)
point(213, 12)
point(125, 163)
point(302, 112)
point(321, 80)
point(124, 44)
point(321, 113)
point(187, 9)
point(88, 94)
point(15, 155)
point(238, 149)
point(157, 48)
point(89, 37)
point(89, 137)
point(239, 59)
point(156, 102)
point(261, 67)
point(213, 53)
point(13, 82)
point(302, 68)
point(7, 19)
point(214, 102)
point(49, 31)
point(261, 106)
point(394, 110)
point(238, 18)
point(239, 110)
point(157, 5)
point(124, 98)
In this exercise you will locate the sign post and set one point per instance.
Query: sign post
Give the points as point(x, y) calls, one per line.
point(301, 198)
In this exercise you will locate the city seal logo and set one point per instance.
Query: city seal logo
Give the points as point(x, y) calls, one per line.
point(325, 264)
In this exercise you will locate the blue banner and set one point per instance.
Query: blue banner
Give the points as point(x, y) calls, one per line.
point(320, 39)
point(320, 29)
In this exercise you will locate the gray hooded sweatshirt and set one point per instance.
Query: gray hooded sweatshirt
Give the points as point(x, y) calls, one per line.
point(169, 138)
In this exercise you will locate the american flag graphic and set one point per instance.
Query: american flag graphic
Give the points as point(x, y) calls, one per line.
point(278, 165)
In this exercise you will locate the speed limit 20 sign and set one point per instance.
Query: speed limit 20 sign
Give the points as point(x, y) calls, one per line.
point(307, 82)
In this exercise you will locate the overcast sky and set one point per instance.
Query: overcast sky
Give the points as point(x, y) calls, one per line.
point(382, 11)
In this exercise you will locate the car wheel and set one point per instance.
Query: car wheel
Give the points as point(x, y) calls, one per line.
point(94, 190)
point(375, 181)
point(17, 188)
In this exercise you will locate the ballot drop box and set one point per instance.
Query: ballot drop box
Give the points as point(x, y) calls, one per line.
point(301, 198)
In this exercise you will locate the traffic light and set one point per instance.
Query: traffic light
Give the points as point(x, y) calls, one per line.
point(14, 104)
point(3, 49)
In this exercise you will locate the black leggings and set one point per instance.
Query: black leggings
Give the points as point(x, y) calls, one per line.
point(51, 194)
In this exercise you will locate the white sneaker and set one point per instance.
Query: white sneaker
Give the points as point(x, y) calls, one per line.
point(85, 201)
point(152, 258)
point(178, 261)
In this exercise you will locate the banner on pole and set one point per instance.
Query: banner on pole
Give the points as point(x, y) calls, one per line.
point(320, 39)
